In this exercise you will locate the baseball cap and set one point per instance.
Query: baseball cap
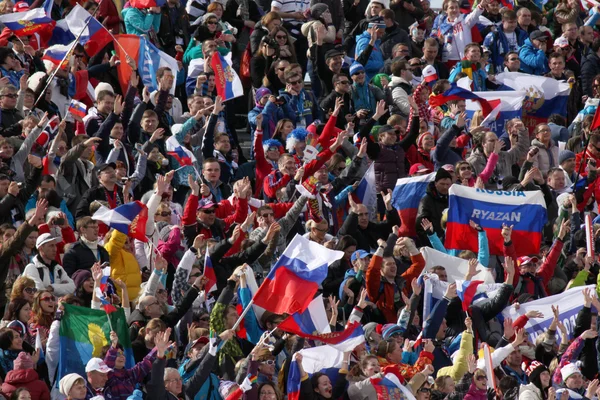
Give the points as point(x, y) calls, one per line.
point(561, 41)
point(43, 239)
point(102, 167)
point(206, 204)
point(359, 254)
point(97, 364)
point(538, 35)
point(200, 340)
point(416, 168)
point(21, 6)
point(430, 74)
point(524, 260)
point(448, 167)
point(333, 53)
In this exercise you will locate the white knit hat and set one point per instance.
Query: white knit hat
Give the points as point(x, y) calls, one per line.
point(67, 382)
point(569, 370)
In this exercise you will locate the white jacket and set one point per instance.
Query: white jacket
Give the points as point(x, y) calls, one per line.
point(39, 272)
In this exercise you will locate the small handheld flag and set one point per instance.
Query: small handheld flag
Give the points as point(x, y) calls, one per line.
point(77, 108)
point(209, 273)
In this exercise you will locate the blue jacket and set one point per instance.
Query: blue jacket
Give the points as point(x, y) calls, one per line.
point(533, 61)
point(139, 23)
point(375, 63)
point(442, 154)
point(63, 208)
point(483, 257)
point(498, 45)
point(479, 77)
point(303, 106)
point(271, 115)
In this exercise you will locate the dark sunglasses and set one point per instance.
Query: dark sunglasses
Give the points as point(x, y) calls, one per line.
point(344, 82)
point(294, 82)
point(424, 390)
point(12, 95)
point(163, 214)
point(211, 23)
point(48, 298)
point(280, 37)
point(30, 290)
point(208, 211)
point(481, 378)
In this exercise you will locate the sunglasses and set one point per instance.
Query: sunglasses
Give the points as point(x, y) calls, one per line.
point(48, 298)
point(12, 96)
point(273, 149)
point(513, 59)
point(269, 362)
point(211, 23)
point(163, 214)
point(359, 73)
point(208, 211)
point(280, 37)
point(481, 378)
point(30, 290)
point(281, 69)
point(344, 82)
point(424, 390)
point(294, 82)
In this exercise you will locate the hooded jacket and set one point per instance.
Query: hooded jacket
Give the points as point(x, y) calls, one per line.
point(375, 63)
point(431, 207)
point(533, 60)
point(28, 379)
point(547, 156)
point(497, 42)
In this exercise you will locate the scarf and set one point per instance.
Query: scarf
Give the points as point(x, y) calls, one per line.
point(468, 67)
point(93, 246)
point(424, 114)
point(363, 98)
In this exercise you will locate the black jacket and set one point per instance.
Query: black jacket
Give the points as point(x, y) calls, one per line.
point(95, 193)
point(79, 256)
point(590, 67)
point(366, 239)
point(392, 36)
point(431, 207)
point(12, 208)
point(9, 122)
point(224, 266)
point(170, 31)
point(404, 17)
point(328, 104)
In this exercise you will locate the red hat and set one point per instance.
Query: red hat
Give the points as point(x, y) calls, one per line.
point(21, 6)
point(524, 260)
point(416, 168)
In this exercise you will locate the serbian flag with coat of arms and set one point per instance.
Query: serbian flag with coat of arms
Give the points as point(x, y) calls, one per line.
point(227, 81)
point(525, 211)
point(295, 278)
point(129, 219)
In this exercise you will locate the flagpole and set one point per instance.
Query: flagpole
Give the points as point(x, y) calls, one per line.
point(51, 78)
point(109, 322)
point(237, 323)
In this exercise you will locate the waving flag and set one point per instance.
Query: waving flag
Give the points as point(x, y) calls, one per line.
point(227, 81)
point(458, 93)
point(510, 107)
point(83, 334)
point(389, 387)
point(366, 193)
point(544, 96)
point(324, 359)
point(526, 211)
point(28, 22)
point(406, 198)
point(295, 278)
point(294, 381)
point(467, 290)
point(94, 36)
point(146, 3)
point(209, 273)
point(47, 134)
point(311, 321)
point(129, 219)
point(101, 292)
point(57, 54)
point(78, 108)
point(183, 156)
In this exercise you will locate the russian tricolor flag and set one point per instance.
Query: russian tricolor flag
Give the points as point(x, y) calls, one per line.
point(324, 359)
point(183, 156)
point(295, 278)
point(406, 198)
point(48, 133)
point(525, 211)
point(78, 108)
point(94, 37)
point(294, 381)
point(129, 219)
point(227, 81)
point(458, 93)
point(366, 192)
point(209, 273)
point(28, 22)
point(467, 291)
point(57, 54)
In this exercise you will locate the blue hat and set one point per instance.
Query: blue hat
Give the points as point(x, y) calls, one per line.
point(136, 395)
point(390, 330)
point(359, 254)
point(565, 155)
point(355, 68)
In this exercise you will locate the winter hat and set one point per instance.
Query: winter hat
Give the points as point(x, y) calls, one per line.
point(206, 16)
point(295, 136)
point(420, 139)
point(225, 387)
point(80, 276)
point(260, 93)
point(23, 361)
point(442, 174)
point(534, 370)
point(390, 330)
point(163, 234)
point(176, 129)
point(317, 10)
point(370, 328)
point(271, 143)
point(355, 68)
point(565, 155)
point(376, 80)
point(103, 86)
point(67, 382)
point(568, 370)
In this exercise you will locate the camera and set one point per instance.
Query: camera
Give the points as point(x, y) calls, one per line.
point(270, 41)
point(59, 221)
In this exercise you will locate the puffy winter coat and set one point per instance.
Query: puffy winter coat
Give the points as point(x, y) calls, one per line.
point(530, 392)
point(124, 265)
point(28, 379)
point(533, 61)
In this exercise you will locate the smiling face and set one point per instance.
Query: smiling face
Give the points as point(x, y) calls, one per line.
point(25, 313)
point(324, 387)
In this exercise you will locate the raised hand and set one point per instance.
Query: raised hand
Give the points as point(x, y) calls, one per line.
point(114, 339)
point(193, 184)
point(416, 288)
point(41, 206)
point(339, 103)
point(507, 232)
point(534, 314)
point(218, 106)
point(427, 226)
point(119, 104)
point(387, 199)
point(274, 229)
point(96, 272)
point(509, 331)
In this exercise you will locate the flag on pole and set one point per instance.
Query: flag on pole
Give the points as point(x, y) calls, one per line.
point(183, 156)
point(458, 93)
point(94, 36)
point(84, 332)
point(129, 219)
point(295, 277)
point(57, 54)
point(77, 108)
point(209, 273)
point(406, 198)
point(227, 81)
point(28, 22)
point(47, 134)
point(466, 291)
point(366, 193)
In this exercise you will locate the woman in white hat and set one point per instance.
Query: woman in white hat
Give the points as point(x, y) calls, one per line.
point(73, 386)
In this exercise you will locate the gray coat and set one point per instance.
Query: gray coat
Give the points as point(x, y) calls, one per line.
point(547, 157)
point(506, 159)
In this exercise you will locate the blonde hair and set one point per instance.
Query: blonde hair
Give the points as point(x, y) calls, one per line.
point(20, 284)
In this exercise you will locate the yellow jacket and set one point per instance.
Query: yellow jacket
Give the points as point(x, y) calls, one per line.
point(123, 264)
point(460, 366)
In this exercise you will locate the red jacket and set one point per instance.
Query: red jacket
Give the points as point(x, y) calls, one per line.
point(28, 379)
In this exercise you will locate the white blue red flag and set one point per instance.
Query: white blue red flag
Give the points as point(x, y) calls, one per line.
point(102, 290)
point(57, 54)
point(510, 106)
point(27, 22)
point(366, 193)
point(227, 81)
point(543, 97)
point(324, 359)
point(295, 277)
point(209, 273)
point(467, 291)
point(78, 108)
point(525, 211)
point(406, 197)
point(458, 93)
point(94, 36)
point(183, 156)
point(129, 219)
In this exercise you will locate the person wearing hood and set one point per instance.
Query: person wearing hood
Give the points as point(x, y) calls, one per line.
point(142, 21)
point(271, 111)
point(533, 54)
point(547, 157)
point(433, 204)
point(371, 40)
point(24, 376)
